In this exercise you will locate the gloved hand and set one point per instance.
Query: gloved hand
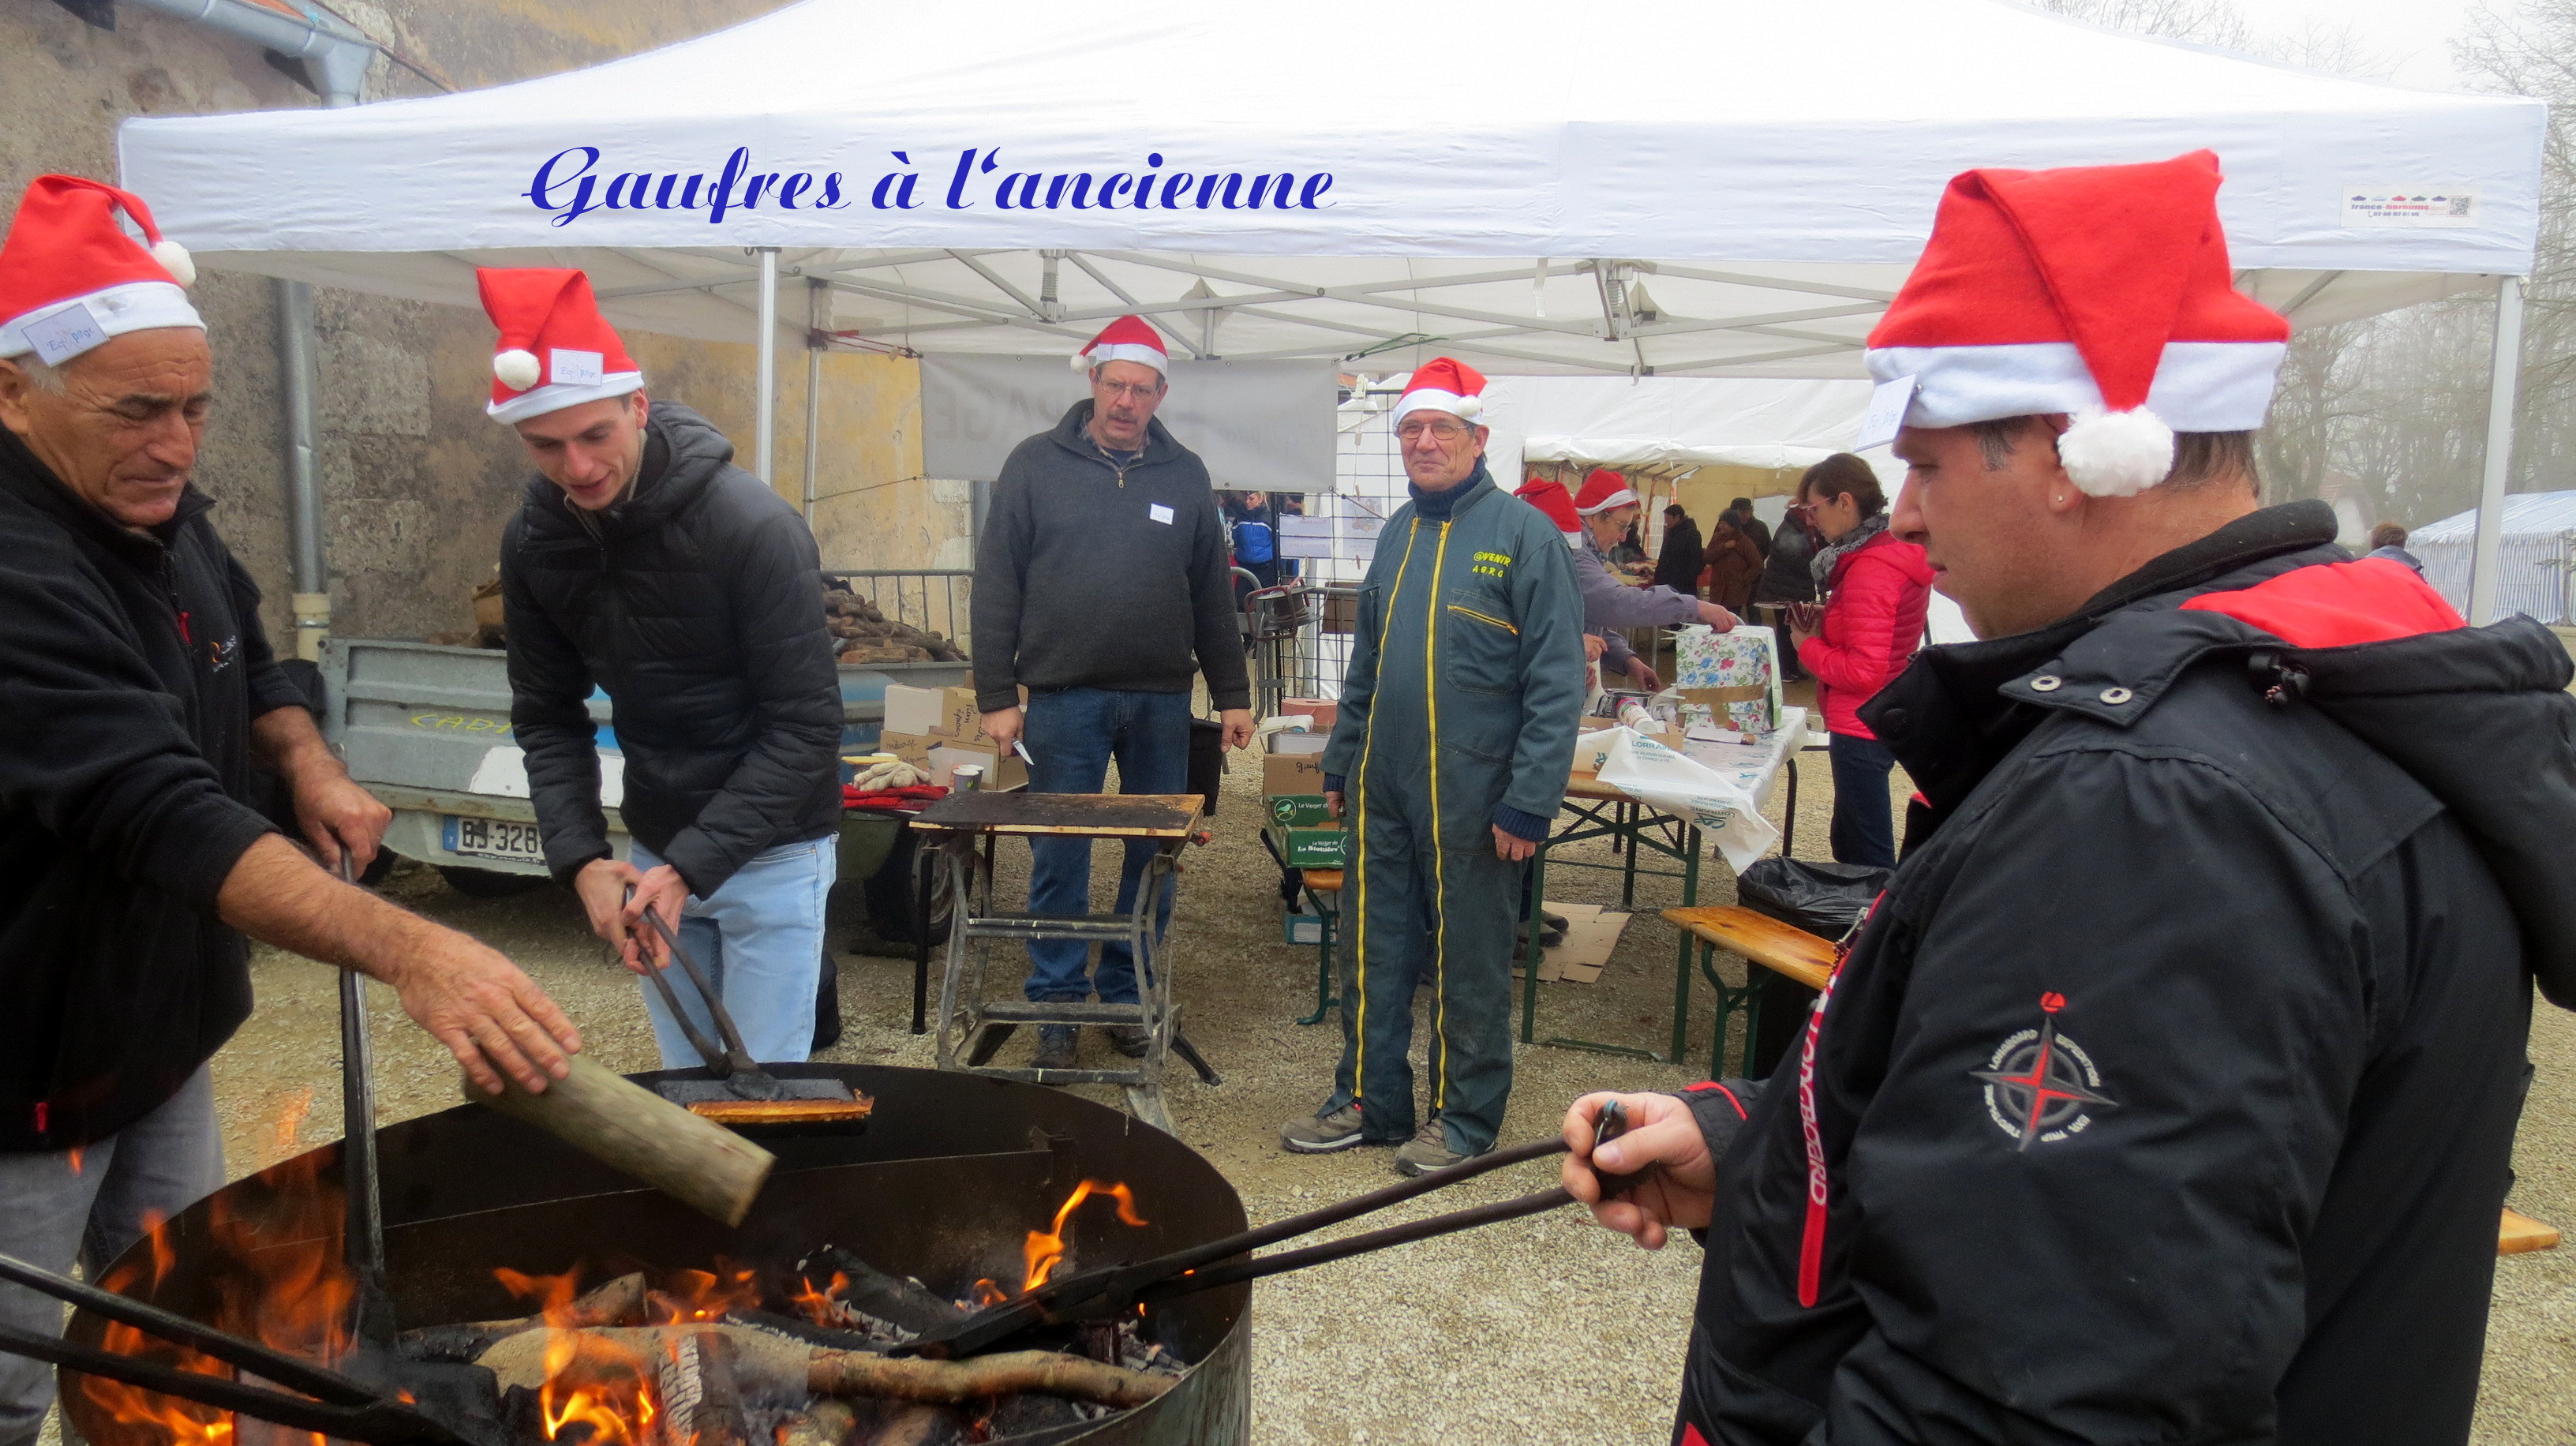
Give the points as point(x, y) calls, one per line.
point(893, 773)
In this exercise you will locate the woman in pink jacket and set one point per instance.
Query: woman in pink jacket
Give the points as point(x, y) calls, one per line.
point(1877, 588)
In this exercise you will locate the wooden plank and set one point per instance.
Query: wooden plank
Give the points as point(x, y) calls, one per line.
point(1782, 948)
point(1092, 815)
point(2519, 1233)
point(1323, 881)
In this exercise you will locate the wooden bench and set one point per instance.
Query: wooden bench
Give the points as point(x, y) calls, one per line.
point(1791, 951)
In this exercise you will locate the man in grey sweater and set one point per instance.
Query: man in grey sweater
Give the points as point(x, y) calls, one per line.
point(1101, 586)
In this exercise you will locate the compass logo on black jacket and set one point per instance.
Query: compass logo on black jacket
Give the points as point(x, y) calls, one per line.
point(2041, 1085)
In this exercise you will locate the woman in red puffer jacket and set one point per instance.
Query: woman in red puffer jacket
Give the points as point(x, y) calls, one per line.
point(1877, 588)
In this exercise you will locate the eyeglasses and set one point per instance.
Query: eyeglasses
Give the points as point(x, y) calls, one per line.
point(1412, 428)
point(1132, 391)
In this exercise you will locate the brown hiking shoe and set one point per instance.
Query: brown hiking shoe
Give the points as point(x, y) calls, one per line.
point(1429, 1150)
point(1323, 1132)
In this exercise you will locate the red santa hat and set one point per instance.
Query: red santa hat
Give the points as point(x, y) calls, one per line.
point(1128, 339)
point(1603, 490)
point(1444, 384)
point(555, 349)
point(71, 277)
point(1551, 498)
point(2099, 291)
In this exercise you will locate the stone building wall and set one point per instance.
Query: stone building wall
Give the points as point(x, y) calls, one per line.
point(416, 481)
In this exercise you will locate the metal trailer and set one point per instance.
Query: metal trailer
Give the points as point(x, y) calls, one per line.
point(426, 729)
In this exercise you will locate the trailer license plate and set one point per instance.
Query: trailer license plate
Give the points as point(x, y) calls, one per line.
point(492, 838)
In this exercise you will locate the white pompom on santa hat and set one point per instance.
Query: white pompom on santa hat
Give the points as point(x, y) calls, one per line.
point(2101, 292)
point(71, 276)
point(1128, 339)
point(555, 349)
point(1443, 384)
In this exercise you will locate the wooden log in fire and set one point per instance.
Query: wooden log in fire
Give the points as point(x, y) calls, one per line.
point(763, 1362)
point(630, 1128)
point(619, 1302)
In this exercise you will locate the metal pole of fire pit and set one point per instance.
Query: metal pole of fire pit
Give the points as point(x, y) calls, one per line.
point(366, 1221)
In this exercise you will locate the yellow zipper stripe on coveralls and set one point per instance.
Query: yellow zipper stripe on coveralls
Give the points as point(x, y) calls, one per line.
point(1485, 618)
point(1439, 882)
point(1359, 816)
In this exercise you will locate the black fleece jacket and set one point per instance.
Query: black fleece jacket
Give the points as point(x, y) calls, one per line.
point(1093, 575)
point(130, 669)
point(697, 603)
point(2168, 1093)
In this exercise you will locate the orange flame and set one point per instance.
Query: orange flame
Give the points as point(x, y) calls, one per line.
point(822, 1307)
point(75, 1153)
point(290, 1118)
point(1045, 1248)
point(698, 1295)
point(279, 1276)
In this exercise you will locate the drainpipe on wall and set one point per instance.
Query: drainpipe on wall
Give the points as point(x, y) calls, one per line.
point(336, 60)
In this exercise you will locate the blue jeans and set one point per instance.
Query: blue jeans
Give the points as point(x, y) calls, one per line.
point(1864, 830)
point(1072, 734)
point(55, 1209)
point(760, 941)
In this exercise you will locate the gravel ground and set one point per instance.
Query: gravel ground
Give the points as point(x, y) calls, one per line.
point(1566, 1333)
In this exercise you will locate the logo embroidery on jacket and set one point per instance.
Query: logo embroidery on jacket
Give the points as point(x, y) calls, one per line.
point(1491, 564)
point(2040, 1085)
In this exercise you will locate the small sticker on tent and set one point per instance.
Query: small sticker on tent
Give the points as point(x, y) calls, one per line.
point(1887, 404)
point(577, 368)
point(64, 335)
point(2373, 207)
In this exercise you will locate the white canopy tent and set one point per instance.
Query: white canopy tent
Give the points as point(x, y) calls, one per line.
point(1266, 181)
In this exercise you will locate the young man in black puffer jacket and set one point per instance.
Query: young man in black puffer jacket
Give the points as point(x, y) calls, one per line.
point(646, 564)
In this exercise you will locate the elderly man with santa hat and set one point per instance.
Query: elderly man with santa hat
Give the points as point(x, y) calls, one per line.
point(139, 695)
point(1101, 587)
point(2169, 1091)
point(1458, 715)
point(644, 563)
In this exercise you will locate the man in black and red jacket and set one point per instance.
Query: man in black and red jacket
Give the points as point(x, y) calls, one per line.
point(2169, 1091)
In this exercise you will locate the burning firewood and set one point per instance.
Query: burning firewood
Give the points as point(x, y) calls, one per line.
point(764, 1365)
point(620, 1302)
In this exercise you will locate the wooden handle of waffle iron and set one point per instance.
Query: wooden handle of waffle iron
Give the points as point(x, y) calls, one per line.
point(622, 1124)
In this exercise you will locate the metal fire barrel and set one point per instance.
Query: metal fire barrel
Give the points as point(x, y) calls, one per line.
point(943, 1183)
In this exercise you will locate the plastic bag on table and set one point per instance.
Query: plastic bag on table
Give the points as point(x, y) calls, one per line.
point(1663, 779)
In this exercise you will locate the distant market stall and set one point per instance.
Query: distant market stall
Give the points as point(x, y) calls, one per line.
point(2535, 568)
point(1268, 188)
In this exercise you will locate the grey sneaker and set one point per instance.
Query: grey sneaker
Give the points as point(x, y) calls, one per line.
point(1429, 1150)
point(1131, 1040)
point(1322, 1133)
point(1055, 1047)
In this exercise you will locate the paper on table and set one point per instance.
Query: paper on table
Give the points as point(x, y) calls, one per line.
point(1663, 779)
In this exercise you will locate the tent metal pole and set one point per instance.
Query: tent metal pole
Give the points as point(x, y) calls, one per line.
point(765, 392)
point(2502, 386)
point(818, 313)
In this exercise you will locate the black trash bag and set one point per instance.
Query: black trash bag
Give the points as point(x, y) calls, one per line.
point(1207, 759)
point(1825, 900)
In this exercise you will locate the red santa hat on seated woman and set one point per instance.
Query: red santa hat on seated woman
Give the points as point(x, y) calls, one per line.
point(71, 276)
point(1128, 339)
point(2102, 292)
point(1603, 490)
point(1444, 384)
point(1551, 498)
point(555, 349)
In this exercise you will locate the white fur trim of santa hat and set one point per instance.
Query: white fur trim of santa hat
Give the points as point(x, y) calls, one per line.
point(2116, 454)
point(1433, 399)
point(129, 306)
point(560, 395)
point(1084, 361)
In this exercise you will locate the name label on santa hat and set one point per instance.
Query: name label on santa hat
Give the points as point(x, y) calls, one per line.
point(1887, 404)
point(64, 335)
point(569, 368)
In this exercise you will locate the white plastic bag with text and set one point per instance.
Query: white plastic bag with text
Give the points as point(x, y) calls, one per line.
point(1665, 780)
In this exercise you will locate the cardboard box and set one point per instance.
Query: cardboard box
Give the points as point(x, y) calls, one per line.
point(1341, 611)
point(1312, 848)
point(1291, 773)
point(912, 748)
point(1001, 770)
point(1323, 710)
point(1298, 810)
point(964, 719)
point(1298, 744)
point(914, 710)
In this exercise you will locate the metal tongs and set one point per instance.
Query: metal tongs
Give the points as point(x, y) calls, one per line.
point(445, 1413)
point(820, 1100)
point(1112, 1290)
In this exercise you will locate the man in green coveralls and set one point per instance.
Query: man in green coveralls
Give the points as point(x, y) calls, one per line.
point(1458, 716)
